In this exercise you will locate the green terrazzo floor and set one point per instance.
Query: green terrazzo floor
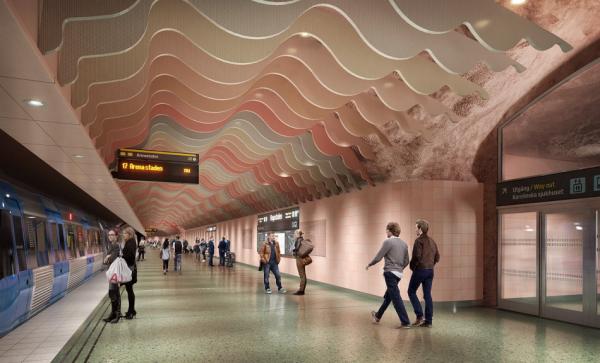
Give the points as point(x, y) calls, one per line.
point(223, 315)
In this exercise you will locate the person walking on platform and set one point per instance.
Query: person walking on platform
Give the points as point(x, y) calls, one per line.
point(196, 249)
point(300, 262)
point(141, 249)
point(395, 252)
point(203, 247)
point(211, 251)
point(178, 250)
point(424, 257)
point(222, 249)
point(129, 257)
point(164, 256)
point(113, 289)
point(270, 256)
point(185, 246)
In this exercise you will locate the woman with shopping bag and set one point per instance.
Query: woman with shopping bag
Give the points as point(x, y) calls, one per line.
point(113, 287)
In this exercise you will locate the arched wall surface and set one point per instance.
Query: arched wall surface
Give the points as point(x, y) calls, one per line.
point(355, 228)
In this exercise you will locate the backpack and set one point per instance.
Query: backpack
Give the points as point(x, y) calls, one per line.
point(306, 247)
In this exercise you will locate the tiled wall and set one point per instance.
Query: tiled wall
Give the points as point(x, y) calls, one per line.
point(355, 227)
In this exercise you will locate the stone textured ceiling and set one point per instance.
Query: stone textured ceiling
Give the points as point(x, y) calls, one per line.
point(294, 101)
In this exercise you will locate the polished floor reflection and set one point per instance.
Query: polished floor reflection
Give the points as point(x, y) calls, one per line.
point(223, 315)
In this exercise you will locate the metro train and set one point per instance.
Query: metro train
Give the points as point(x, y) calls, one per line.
point(46, 249)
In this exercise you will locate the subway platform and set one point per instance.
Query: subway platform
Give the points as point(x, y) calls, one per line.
point(221, 314)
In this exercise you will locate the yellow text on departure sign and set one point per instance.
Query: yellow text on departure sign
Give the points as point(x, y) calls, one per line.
point(142, 167)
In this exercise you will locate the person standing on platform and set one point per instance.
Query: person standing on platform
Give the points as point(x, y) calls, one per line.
point(141, 249)
point(270, 256)
point(129, 257)
point(395, 252)
point(300, 262)
point(203, 247)
point(178, 250)
point(114, 294)
point(164, 256)
point(424, 257)
point(211, 251)
point(222, 249)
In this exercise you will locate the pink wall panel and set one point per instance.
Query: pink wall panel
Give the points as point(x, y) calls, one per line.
point(355, 228)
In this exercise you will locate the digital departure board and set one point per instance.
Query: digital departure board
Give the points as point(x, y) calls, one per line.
point(282, 224)
point(159, 166)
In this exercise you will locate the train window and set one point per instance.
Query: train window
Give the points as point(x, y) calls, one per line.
point(53, 233)
point(20, 243)
point(71, 242)
point(61, 241)
point(79, 237)
point(31, 255)
point(41, 243)
point(7, 267)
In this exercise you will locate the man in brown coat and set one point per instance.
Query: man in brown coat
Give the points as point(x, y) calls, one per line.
point(270, 255)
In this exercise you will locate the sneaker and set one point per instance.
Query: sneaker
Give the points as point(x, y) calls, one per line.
point(282, 291)
point(405, 326)
point(374, 318)
point(425, 325)
point(267, 291)
point(418, 322)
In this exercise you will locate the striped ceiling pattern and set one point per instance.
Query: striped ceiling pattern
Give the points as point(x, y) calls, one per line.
point(282, 100)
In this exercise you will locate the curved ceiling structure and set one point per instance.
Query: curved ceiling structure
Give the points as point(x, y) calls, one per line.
point(285, 102)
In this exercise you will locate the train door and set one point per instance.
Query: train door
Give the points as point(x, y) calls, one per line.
point(71, 242)
point(7, 261)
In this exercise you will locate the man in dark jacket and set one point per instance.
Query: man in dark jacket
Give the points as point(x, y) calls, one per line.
point(113, 289)
point(222, 250)
point(424, 257)
point(211, 252)
point(178, 248)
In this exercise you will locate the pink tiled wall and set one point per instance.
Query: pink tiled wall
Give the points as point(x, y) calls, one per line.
point(355, 228)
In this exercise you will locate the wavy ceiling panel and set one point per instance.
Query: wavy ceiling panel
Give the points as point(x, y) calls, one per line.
point(285, 102)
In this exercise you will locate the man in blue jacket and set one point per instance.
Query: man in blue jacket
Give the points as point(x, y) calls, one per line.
point(222, 250)
point(211, 251)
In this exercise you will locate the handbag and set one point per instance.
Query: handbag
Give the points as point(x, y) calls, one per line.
point(118, 272)
point(306, 260)
point(260, 266)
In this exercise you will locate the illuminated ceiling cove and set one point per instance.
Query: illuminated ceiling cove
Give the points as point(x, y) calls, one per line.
point(284, 102)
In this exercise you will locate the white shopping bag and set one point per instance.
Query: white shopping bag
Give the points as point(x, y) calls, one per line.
point(118, 272)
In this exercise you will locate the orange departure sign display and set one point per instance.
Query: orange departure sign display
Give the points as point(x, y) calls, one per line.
point(160, 166)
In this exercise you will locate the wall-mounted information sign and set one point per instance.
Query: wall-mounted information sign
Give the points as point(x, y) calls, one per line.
point(283, 224)
point(211, 229)
point(161, 166)
point(583, 183)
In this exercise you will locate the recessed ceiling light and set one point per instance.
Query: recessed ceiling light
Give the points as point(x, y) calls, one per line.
point(34, 103)
point(31, 217)
point(518, 2)
point(7, 195)
point(304, 35)
point(79, 156)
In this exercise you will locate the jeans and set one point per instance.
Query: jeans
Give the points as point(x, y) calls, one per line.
point(141, 255)
point(392, 294)
point(272, 266)
point(210, 259)
point(178, 262)
point(222, 258)
point(425, 277)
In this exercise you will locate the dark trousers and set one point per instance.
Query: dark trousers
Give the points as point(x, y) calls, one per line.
point(272, 266)
point(425, 277)
point(222, 258)
point(302, 272)
point(165, 265)
point(141, 255)
point(392, 294)
point(210, 259)
point(114, 294)
point(130, 297)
